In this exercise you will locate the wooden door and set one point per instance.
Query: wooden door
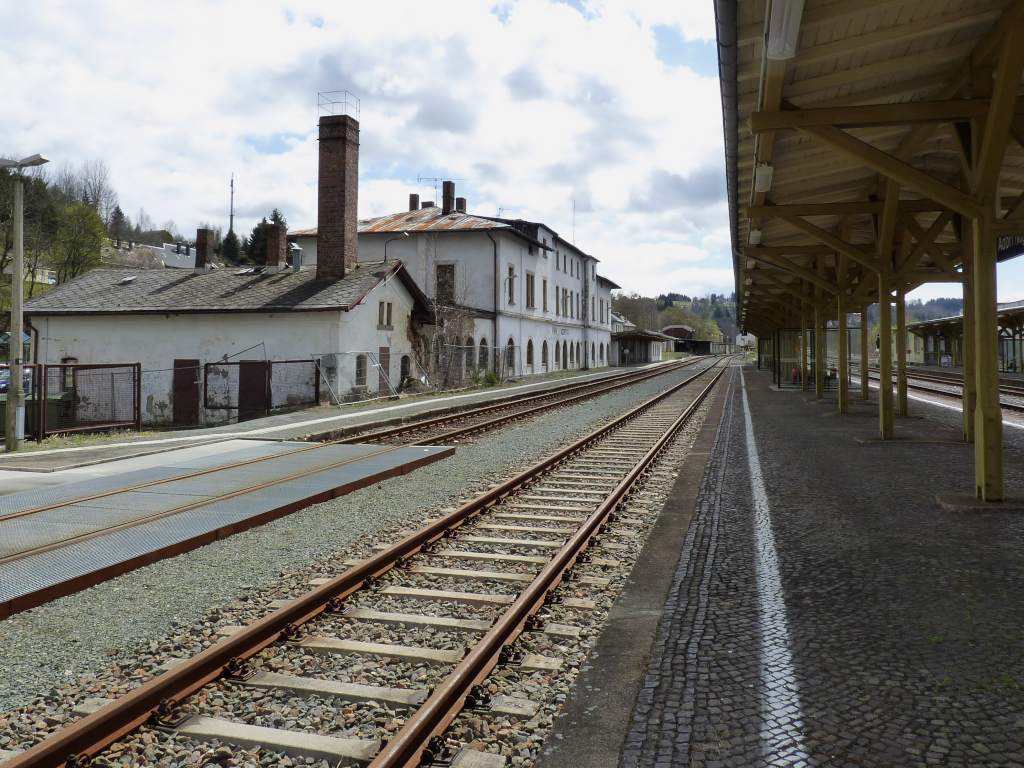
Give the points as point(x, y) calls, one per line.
point(185, 393)
point(384, 358)
point(253, 389)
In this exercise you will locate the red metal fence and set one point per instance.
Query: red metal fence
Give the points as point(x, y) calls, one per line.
point(77, 397)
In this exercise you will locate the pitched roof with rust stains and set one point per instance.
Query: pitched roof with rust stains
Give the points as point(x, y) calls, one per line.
point(158, 291)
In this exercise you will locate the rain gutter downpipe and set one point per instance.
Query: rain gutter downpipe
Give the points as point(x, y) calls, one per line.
point(497, 299)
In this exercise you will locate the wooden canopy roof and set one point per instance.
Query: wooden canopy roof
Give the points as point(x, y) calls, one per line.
point(894, 122)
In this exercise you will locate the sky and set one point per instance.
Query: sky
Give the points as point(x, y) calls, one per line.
point(536, 108)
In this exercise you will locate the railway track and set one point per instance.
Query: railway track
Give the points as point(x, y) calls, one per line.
point(478, 588)
point(1006, 390)
point(135, 509)
point(433, 431)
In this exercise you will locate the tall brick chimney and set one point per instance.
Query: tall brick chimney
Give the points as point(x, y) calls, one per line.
point(447, 197)
point(276, 259)
point(204, 250)
point(414, 202)
point(337, 237)
point(460, 204)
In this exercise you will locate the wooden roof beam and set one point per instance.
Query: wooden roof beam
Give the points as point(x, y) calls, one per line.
point(781, 262)
point(897, 170)
point(926, 241)
point(1000, 114)
point(951, 110)
point(834, 243)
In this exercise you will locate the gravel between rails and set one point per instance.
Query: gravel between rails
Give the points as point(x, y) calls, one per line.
point(116, 630)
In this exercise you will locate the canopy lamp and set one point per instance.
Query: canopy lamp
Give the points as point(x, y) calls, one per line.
point(763, 177)
point(754, 237)
point(784, 28)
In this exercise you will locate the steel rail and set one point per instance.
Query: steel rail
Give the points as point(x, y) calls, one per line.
point(950, 382)
point(89, 736)
point(472, 428)
point(201, 472)
point(633, 377)
point(445, 703)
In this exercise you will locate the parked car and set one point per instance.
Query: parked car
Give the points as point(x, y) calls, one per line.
point(5, 378)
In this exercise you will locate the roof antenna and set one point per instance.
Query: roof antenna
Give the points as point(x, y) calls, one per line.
point(231, 216)
point(574, 222)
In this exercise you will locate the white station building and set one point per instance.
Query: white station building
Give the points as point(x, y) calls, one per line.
point(524, 286)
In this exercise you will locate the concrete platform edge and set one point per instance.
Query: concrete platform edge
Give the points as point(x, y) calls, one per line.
point(592, 728)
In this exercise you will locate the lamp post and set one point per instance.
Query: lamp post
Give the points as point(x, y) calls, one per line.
point(14, 424)
point(399, 237)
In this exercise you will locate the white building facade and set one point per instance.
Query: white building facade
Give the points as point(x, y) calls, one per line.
point(528, 301)
point(356, 329)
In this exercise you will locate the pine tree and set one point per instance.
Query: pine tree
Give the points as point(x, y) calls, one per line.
point(231, 251)
point(257, 243)
point(119, 227)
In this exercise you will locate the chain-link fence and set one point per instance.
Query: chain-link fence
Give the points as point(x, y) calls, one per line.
point(366, 375)
point(76, 397)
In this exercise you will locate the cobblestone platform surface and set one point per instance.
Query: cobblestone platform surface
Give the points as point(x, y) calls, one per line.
point(826, 611)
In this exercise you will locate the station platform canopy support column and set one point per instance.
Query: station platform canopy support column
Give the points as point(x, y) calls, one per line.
point(862, 165)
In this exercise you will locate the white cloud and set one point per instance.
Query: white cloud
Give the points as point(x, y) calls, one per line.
point(534, 103)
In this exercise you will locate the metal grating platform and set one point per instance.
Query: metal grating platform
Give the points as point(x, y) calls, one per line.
point(93, 539)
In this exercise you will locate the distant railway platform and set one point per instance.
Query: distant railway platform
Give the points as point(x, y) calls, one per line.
point(825, 609)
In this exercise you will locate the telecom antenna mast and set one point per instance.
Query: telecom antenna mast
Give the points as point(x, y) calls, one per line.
point(436, 180)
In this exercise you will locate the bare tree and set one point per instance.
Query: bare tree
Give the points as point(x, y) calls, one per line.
point(448, 292)
point(98, 188)
point(143, 221)
point(66, 184)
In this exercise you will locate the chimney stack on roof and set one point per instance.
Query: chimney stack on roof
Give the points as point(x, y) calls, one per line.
point(447, 197)
point(337, 224)
point(460, 204)
point(414, 202)
point(204, 250)
point(276, 259)
point(428, 204)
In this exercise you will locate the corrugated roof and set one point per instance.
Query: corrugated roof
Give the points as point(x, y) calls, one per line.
point(105, 291)
point(428, 220)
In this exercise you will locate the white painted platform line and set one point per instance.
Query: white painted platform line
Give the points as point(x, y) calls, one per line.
point(781, 715)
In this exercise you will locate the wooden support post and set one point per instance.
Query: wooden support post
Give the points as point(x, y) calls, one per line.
point(819, 337)
point(988, 415)
point(805, 340)
point(864, 353)
point(844, 371)
point(1020, 348)
point(885, 415)
point(970, 389)
point(819, 352)
point(901, 354)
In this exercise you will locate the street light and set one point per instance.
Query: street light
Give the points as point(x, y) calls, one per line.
point(14, 423)
point(399, 237)
point(513, 276)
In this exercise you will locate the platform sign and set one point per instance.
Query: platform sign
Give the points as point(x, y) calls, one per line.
point(1009, 247)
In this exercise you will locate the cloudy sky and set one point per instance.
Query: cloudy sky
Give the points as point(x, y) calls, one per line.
point(533, 105)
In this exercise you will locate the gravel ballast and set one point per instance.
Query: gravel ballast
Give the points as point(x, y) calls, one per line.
point(72, 640)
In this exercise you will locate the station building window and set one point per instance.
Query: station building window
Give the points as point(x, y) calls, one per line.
point(360, 370)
